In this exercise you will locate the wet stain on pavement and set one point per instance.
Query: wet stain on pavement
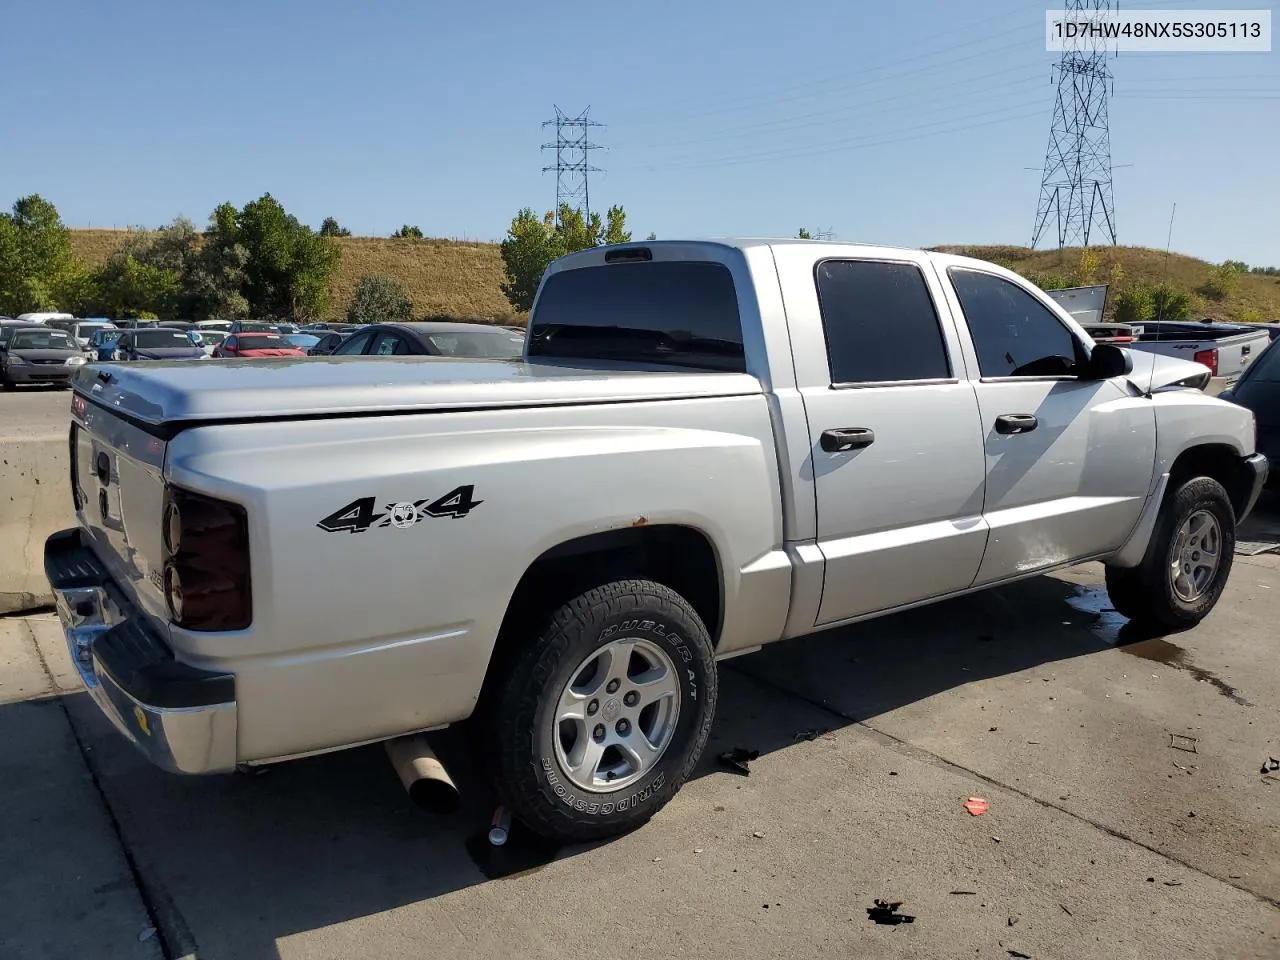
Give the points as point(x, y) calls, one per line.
point(1113, 628)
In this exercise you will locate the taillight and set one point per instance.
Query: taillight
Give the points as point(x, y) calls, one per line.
point(206, 561)
point(1209, 358)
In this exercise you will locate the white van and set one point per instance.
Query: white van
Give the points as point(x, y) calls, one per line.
point(45, 317)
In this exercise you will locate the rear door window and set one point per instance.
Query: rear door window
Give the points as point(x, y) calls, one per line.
point(880, 323)
point(676, 311)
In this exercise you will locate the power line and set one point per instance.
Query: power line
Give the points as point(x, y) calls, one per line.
point(1075, 188)
point(572, 148)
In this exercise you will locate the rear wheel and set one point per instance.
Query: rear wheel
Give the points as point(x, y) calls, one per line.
point(603, 717)
point(1188, 560)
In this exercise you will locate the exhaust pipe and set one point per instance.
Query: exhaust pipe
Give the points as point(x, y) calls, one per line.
point(423, 775)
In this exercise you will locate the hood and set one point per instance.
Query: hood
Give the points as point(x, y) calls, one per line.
point(36, 355)
point(1151, 371)
point(306, 386)
point(169, 353)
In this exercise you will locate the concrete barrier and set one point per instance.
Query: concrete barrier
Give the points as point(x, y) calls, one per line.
point(35, 501)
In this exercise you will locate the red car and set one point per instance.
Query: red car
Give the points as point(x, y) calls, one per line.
point(254, 345)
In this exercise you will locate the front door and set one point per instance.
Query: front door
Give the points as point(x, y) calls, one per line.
point(895, 438)
point(1069, 462)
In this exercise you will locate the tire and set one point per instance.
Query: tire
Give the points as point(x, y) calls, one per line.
point(1152, 594)
point(586, 646)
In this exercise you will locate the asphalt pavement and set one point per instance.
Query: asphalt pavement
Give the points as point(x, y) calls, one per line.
point(1128, 814)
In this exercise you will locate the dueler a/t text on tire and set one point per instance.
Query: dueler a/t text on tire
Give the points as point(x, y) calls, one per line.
point(1187, 562)
point(602, 718)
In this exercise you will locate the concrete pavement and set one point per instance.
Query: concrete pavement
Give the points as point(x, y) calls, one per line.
point(1102, 839)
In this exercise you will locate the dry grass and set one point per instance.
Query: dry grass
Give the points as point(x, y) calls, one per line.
point(1252, 291)
point(443, 277)
point(458, 279)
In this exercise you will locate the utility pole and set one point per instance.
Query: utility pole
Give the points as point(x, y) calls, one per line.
point(1076, 197)
point(572, 147)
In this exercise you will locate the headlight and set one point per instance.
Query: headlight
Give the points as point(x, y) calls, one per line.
point(75, 361)
point(15, 359)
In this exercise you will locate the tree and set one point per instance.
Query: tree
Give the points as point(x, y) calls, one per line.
point(379, 299)
point(408, 233)
point(615, 230)
point(126, 287)
point(1086, 267)
point(1169, 303)
point(532, 243)
point(804, 234)
point(1222, 281)
point(331, 228)
point(284, 267)
point(35, 256)
point(652, 236)
point(1133, 304)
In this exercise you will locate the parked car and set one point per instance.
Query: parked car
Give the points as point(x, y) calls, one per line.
point(208, 338)
point(304, 340)
point(561, 546)
point(45, 317)
point(83, 330)
point(327, 327)
point(102, 344)
point(326, 344)
point(1225, 348)
point(256, 345)
point(1258, 390)
point(39, 355)
point(8, 326)
point(432, 339)
point(159, 343)
point(254, 326)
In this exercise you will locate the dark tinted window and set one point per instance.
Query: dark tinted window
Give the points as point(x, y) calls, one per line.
point(499, 344)
point(1267, 366)
point(879, 322)
point(1015, 335)
point(160, 337)
point(355, 345)
point(667, 311)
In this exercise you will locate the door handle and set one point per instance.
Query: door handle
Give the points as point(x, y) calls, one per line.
point(1016, 423)
point(846, 438)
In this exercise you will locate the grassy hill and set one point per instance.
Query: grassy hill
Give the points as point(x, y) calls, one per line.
point(1252, 296)
point(456, 279)
point(443, 277)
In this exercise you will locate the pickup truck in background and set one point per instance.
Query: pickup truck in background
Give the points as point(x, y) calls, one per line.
point(706, 447)
point(1225, 348)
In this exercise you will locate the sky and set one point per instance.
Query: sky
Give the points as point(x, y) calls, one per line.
point(913, 123)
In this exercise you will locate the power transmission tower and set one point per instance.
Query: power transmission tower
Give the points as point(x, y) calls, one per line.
point(1075, 186)
point(573, 149)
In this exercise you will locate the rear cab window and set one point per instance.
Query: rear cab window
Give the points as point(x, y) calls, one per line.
point(682, 312)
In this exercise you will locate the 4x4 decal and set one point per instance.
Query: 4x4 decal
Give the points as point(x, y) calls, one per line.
point(359, 515)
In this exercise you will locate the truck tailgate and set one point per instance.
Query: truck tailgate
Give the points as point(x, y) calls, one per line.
point(118, 485)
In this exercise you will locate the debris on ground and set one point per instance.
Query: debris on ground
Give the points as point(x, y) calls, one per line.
point(739, 759)
point(886, 912)
point(1066, 911)
point(1018, 953)
point(500, 826)
point(1173, 883)
point(1012, 921)
point(758, 835)
point(976, 806)
point(964, 893)
point(1271, 766)
point(1180, 741)
point(813, 734)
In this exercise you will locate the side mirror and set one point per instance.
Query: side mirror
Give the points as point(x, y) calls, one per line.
point(1107, 361)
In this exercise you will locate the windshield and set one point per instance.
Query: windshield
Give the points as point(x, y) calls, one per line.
point(478, 344)
point(263, 341)
point(41, 340)
point(667, 311)
point(161, 338)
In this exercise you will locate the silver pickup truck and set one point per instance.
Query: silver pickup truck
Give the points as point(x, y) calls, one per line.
point(1225, 348)
point(707, 446)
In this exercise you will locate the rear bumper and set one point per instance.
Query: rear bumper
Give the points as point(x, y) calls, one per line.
point(1257, 470)
point(182, 718)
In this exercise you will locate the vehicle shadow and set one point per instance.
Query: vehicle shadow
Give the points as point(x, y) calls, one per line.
point(232, 865)
point(1260, 533)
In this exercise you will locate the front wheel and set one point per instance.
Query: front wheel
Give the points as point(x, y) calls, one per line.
point(1188, 560)
point(603, 717)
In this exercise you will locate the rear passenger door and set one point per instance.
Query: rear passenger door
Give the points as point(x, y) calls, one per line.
point(896, 442)
point(1069, 461)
